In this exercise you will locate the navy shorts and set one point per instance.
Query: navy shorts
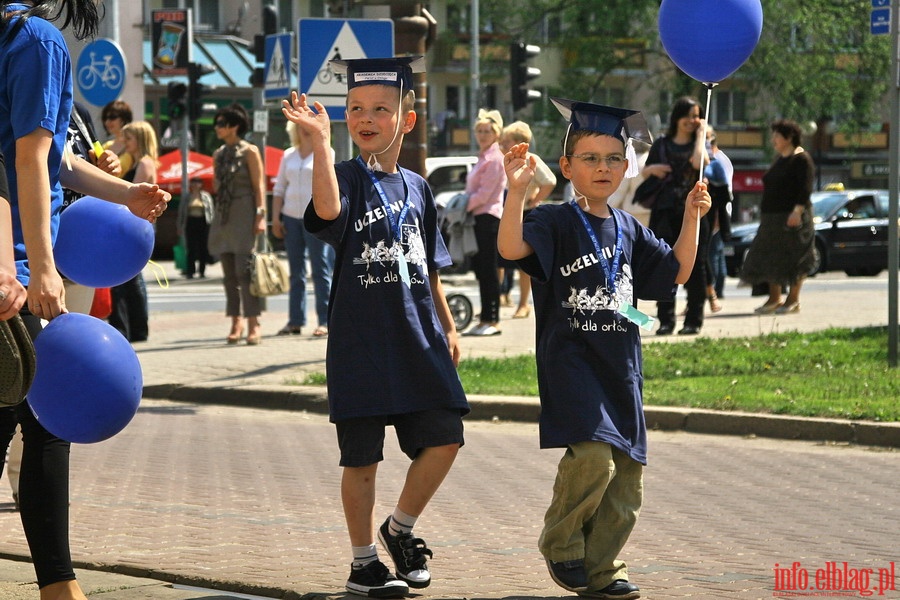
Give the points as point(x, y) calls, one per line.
point(361, 440)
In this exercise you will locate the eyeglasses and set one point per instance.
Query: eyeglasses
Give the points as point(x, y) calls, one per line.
point(220, 123)
point(613, 162)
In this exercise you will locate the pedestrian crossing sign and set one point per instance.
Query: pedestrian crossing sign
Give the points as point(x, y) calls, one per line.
point(322, 40)
point(277, 74)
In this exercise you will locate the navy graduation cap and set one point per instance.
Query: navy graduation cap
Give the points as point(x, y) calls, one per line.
point(622, 123)
point(396, 72)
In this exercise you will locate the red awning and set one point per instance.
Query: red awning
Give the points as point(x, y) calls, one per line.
point(169, 172)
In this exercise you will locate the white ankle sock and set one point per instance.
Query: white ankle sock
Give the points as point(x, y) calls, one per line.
point(363, 555)
point(401, 523)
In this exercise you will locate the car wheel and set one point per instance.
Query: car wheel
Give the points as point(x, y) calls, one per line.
point(863, 271)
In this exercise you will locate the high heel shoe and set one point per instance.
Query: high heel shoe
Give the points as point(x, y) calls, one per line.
point(767, 309)
point(254, 339)
point(234, 338)
point(523, 313)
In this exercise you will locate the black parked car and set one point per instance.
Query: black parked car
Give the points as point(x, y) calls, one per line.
point(851, 233)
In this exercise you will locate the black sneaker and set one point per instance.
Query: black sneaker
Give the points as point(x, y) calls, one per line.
point(408, 554)
point(619, 589)
point(374, 580)
point(569, 574)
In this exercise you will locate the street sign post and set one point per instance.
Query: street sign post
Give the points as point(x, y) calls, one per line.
point(893, 202)
point(322, 40)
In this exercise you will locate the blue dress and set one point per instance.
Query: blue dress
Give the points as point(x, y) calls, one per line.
point(589, 355)
point(36, 58)
point(387, 352)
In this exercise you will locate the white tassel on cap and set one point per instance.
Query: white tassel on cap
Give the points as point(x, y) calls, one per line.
point(631, 157)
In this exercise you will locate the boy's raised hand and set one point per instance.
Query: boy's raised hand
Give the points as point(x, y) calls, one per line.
point(698, 201)
point(519, 166)
point(309, 120)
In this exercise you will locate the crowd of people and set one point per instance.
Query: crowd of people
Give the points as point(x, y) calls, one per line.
point(369, 229)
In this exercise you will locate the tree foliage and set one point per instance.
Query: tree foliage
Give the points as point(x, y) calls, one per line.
point(815, 58)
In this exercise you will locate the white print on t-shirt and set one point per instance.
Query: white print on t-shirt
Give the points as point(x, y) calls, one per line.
point(411, 249)
point(582, 302)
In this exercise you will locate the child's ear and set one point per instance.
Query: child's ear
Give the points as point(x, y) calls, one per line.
point(409, 122)
point(565, 168)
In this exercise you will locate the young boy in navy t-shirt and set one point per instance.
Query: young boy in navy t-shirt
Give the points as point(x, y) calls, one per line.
point(392, 344)
point(589, 265)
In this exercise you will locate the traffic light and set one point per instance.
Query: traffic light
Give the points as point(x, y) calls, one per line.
point(197, 90)
point(270, 27)
point(520, 74)
point(176, 96)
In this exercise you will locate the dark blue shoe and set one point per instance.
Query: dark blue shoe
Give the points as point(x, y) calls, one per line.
point(617, 590)
point(569, 574)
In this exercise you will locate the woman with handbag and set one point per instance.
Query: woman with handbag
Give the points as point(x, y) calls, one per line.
point(675, 159)
point(240, 215)
point(290, 197)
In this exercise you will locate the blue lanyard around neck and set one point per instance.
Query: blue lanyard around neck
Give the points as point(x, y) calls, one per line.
point(407, 204)
point(609, 271)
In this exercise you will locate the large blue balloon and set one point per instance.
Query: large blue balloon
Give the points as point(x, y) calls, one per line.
point(87, 383)
point(101, 244)
point(710, 39)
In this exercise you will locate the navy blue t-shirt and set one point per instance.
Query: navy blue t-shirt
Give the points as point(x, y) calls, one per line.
point(387, 352)
point(589, 355)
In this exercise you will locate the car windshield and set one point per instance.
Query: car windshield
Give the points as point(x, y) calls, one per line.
point(825, 203)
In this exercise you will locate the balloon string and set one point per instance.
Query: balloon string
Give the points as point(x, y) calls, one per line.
point(157, 271)
point(702, 133)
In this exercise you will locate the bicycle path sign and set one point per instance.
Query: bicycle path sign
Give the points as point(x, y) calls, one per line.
point(100, 72)
point(322, 40)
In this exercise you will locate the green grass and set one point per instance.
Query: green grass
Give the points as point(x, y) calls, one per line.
point(839, 373)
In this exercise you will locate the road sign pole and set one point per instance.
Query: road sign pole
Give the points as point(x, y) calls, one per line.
point(185, 148)
point(893, 250)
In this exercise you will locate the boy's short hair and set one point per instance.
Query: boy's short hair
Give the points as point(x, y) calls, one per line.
point(518, 131)
point(407, 102)
point(568, 142)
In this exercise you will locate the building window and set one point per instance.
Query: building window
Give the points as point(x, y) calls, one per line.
point(729, 107)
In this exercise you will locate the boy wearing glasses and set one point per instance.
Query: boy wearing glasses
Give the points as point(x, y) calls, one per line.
point(392, 344)
point(589, 265)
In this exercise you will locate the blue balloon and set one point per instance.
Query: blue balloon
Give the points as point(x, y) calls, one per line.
point(101, 244)
point(710, 39)
point(87, 383)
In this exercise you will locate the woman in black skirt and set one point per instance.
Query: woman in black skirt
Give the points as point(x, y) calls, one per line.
point(784, 249)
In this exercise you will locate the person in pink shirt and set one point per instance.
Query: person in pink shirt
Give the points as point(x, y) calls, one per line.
point(484, 186)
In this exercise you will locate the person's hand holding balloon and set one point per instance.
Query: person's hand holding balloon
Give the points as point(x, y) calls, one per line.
point(147, 201)
point(698, 201)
